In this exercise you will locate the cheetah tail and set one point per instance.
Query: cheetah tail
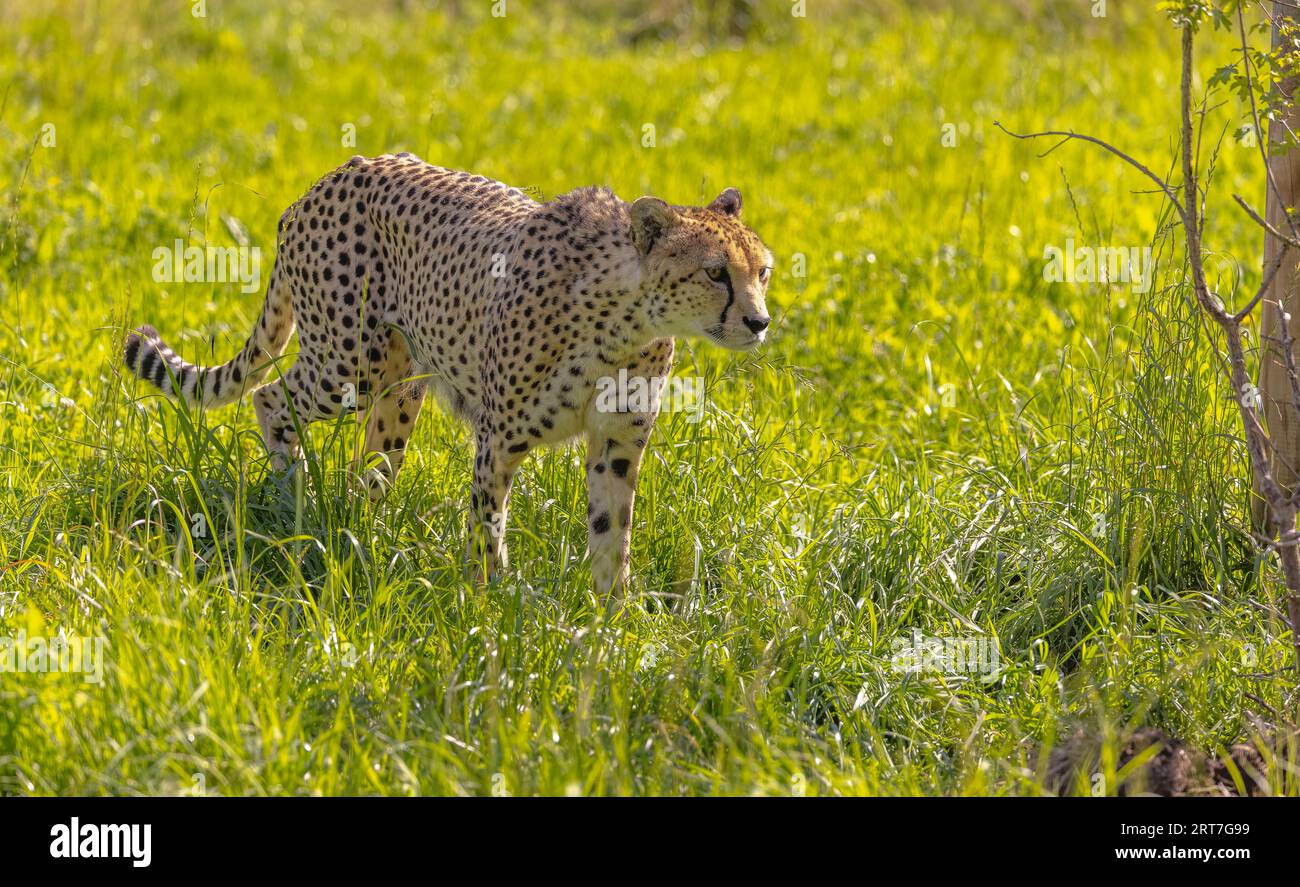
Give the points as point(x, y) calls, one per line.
point(149, 357)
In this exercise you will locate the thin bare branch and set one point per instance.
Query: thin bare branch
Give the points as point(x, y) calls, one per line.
point(1269, 273)
point(1164, 186)
point(1263, 223)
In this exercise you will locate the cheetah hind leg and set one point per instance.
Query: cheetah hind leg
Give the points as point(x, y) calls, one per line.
point(391, 419)
point(494, 470)
point(276, 423)
point(286, 405)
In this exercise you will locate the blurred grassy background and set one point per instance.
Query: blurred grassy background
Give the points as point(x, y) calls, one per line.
point(936, 438)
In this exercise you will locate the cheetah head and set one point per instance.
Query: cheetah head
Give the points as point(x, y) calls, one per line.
point(704, 272)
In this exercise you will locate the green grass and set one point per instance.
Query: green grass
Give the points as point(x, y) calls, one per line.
point(934, 440)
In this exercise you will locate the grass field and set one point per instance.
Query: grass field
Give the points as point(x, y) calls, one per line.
point(936, 443)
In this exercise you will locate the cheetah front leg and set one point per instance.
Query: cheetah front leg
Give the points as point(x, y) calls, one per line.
point(615, 446)
point(616, 442)
point(612, 467)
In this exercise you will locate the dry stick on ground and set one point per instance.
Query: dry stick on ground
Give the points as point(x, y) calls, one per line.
point(1283, 505)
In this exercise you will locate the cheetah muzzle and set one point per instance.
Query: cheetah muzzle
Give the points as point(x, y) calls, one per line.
point(510, 309)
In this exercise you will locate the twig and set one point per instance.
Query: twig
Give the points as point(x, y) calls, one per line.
point(1138, 165)
point(1283, 505)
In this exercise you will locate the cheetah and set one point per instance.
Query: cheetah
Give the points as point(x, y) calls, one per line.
point(403, 277)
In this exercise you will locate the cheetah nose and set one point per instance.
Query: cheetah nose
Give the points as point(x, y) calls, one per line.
point(757, 324)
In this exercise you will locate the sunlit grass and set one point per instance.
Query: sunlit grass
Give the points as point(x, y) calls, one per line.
point(936, 439)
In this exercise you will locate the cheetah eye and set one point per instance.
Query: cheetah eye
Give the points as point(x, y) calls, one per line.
point(764, 274)
point(718, 275)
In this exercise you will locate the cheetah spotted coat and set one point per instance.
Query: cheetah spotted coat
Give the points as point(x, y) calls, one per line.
point(402, 277)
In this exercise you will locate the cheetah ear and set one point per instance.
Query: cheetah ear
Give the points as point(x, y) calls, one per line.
point(728, 203)
point(651, 217)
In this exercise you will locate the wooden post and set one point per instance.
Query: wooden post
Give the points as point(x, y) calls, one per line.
point(1280, 414)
